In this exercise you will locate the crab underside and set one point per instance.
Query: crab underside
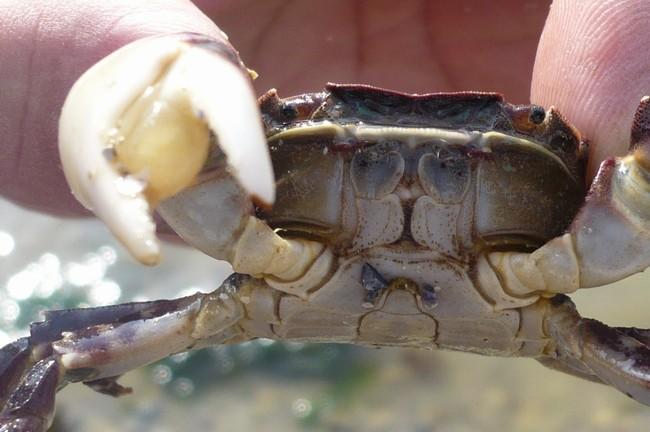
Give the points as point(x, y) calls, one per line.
point(447, 220)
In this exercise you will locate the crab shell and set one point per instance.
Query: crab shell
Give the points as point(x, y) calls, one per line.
point(500, 166)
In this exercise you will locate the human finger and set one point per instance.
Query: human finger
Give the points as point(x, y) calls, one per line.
point(46, 46)
point(593, 64)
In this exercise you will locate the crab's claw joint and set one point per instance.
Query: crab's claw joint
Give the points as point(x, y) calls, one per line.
point(138, 127)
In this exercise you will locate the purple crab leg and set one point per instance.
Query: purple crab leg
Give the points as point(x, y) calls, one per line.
point(30, 407)
point(589, 349)
point(97, 345)
point(14, 359)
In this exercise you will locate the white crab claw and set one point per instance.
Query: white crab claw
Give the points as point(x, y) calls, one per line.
point(167, 92)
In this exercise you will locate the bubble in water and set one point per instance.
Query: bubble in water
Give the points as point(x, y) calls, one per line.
point(263, 342)
point(50, 275)
point(301, 407)
point(50, 262)
point(162, 374)
point(91, 270)
point(247, 352)
point(183, 387)
point(108, 254)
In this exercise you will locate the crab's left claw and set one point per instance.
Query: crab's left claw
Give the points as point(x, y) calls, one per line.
point(144, 122)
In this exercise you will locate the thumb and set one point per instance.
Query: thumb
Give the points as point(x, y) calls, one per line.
point(593, 64)
point(45, 47)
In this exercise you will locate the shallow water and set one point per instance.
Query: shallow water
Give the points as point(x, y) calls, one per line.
point(50, 263)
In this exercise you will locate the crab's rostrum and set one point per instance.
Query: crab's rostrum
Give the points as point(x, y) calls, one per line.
point(446, 220)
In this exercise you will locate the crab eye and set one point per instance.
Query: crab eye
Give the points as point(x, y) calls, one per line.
point(537, 114)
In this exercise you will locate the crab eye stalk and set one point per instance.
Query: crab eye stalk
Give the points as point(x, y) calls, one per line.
point(526, 118)
point(537, 114)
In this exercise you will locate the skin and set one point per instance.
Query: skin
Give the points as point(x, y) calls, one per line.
point(587, 58)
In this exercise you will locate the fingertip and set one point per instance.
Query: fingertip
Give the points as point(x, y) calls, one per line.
point(592, 63)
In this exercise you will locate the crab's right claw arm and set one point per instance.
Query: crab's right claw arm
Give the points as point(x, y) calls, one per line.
point(608, 240)
point(143, 123)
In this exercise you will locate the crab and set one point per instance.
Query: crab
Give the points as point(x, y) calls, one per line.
point(353, 215)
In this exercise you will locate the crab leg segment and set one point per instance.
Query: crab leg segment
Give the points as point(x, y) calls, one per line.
point(13, 360)
point(619, 357)
point(31, 406)
point(608, 240)
point(98, 345)
point(136, 129)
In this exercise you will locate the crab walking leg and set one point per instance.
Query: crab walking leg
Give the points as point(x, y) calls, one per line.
point(608, 240)
point(619, 357)
point(98, 345)
point(136, 129)
point(31, 406)
point(14, 358)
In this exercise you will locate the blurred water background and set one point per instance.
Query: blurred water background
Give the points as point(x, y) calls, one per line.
point(263, 385)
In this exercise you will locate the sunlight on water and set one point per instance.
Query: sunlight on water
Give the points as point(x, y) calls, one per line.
point(104, 292)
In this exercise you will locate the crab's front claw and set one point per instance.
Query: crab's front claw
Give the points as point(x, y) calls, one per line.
point(608, 240)
point(150, 120)
point(611, 234)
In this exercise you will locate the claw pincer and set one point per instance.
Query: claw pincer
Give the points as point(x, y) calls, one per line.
point(168, 106)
